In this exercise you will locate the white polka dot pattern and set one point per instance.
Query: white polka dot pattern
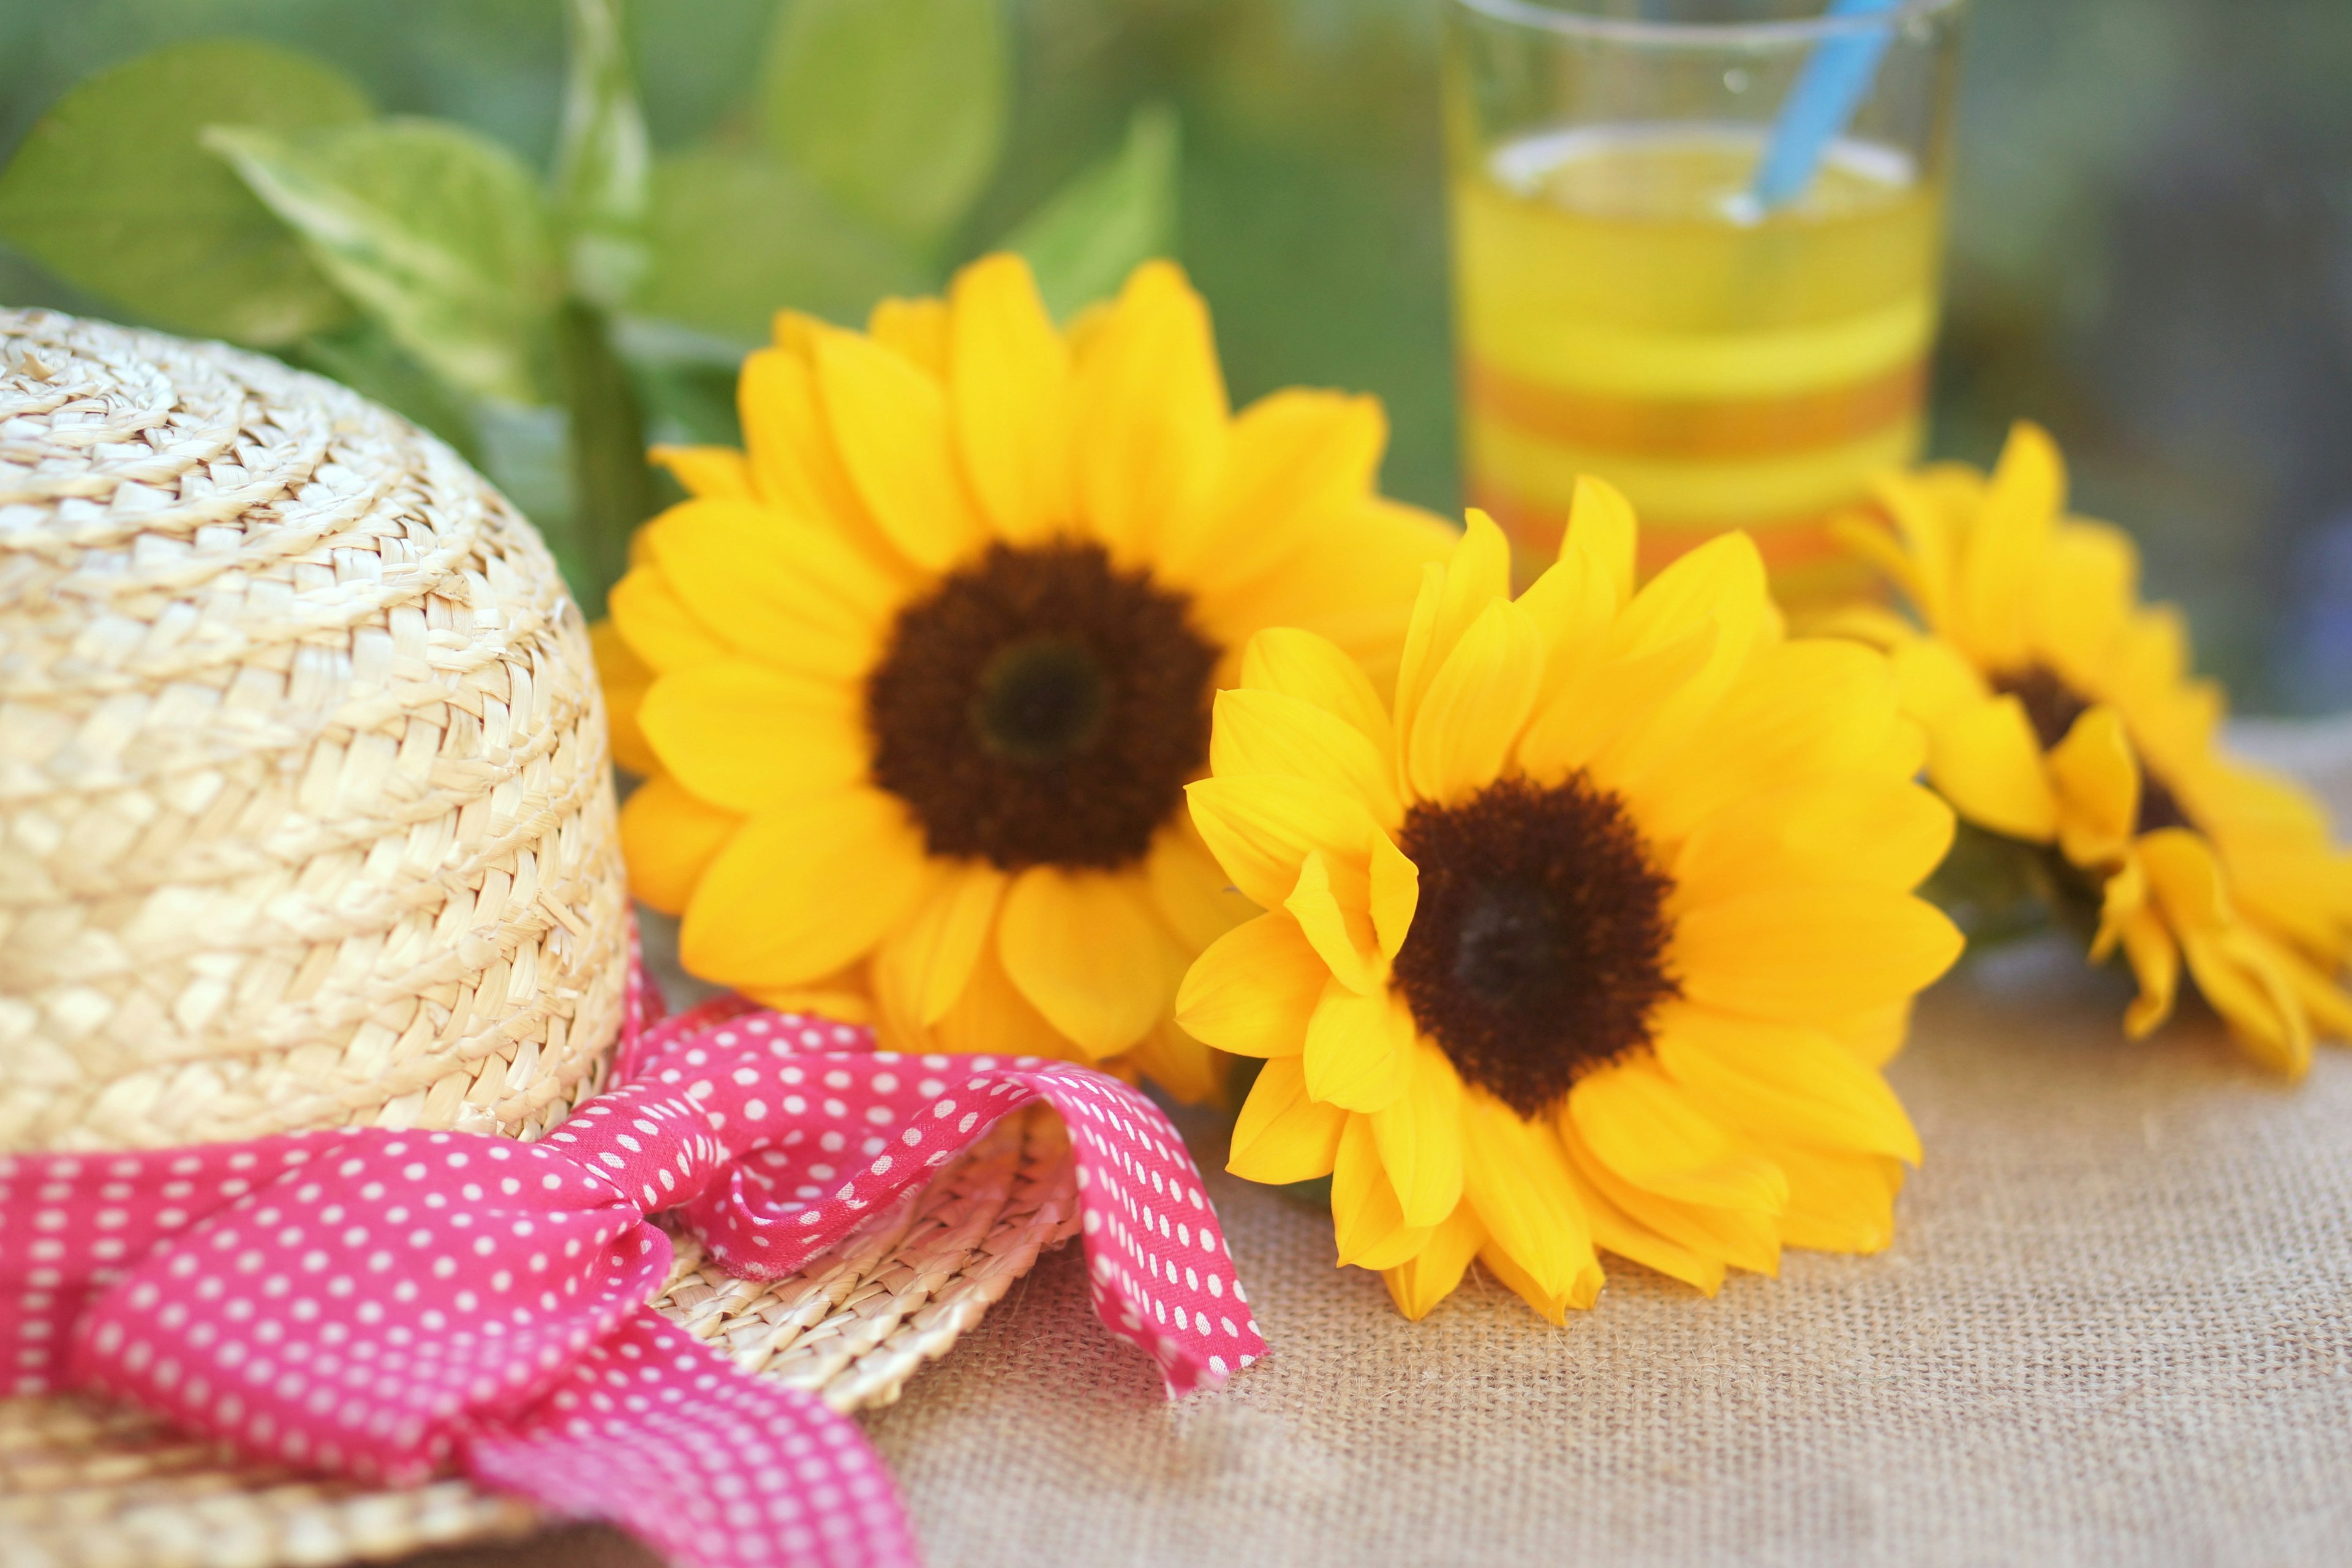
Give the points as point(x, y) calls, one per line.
point(381, 1304)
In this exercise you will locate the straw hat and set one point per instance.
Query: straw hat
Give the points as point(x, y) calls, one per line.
point(306, 820)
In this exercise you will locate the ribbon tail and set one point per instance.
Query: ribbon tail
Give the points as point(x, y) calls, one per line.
point(710, 1465)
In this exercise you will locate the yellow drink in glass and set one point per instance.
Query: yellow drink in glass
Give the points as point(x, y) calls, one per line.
point(1626, 307)
point(1625, 311)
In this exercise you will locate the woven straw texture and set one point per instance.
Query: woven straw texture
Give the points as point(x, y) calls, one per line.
point(306, 819)
point(2115, 1328)
point(305, 810)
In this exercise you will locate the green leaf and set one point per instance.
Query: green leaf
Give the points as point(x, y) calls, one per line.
point(735, 238)
point(1116, 213)
point(895, 108)
point(612, 486)
point(603, 161)
point(435, 232)
point(113, 193)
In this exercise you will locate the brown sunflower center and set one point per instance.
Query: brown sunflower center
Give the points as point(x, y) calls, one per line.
point(2052, 706)
point(1538, 949)
point(1042, 708)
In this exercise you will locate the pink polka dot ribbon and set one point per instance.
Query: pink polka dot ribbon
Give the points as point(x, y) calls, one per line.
point(392, 1306)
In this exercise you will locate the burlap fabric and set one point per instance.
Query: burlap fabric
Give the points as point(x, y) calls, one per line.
point(2115, 1328)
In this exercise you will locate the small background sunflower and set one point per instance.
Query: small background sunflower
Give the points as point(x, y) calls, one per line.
point(2062, 715)
point(918, 679)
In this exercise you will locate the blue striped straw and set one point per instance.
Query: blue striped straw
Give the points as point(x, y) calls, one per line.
point(1831, 84)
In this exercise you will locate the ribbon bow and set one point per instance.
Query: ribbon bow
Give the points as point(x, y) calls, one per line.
point(390, 1306)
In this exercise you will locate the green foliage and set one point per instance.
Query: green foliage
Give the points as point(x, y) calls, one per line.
point(603, 161)
point(735, 237)
point(613, 490)
point(895, 108)
point(438, 234)
point(1084, 242)
point(113, 192)
point(236, 189)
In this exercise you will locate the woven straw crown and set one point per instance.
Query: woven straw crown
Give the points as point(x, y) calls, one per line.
point(306, 820)
point(305, 813)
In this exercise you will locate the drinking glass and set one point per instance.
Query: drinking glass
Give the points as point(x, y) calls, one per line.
point(1629, 305)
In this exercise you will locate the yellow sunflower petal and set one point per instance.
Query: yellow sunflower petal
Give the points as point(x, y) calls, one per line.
point(1576, 722)
point(1189, 889)
point(707, 470)
point(801, 890)
point(1475, 705)
point(1475, 574)
point(625, 678)
point(2127, 915)
point(1254, 989)
point(1740, 1238)
point(1358, 1051)
point(1986, 761)
point(2004, 548)
point(1577, 600)
point(1419, 1283)
point(1601, 531)
point(1332, 904)
point(668, 837)
point(1888, 833)
point(1799, 710)
point(1152, 420)
point(1514, 1177)
point(1010, 384)
point(793, 465)
point(1780, 1081)
point(1419, 1135)
point(1283, 1136)
point(1366, 1219)
point(1811, 953)
point(1929, 541)
point(1262, 828)
point(746, 737)
point(1724, 579)
point(1349, 578)
point(2082, 596)
point(1295, 455)
point(993, 1017)
point(1838, 1202)
point(785, 593)
point(655, 623)
point(1087, 950)
point(1616, 1230)
point(2248, 987)
point(1638, 1122)
point(923, 967)
point(889, 422)
point(2097, 782)
point(1394, 889)
point(1313, 669)
point(1933, 681)
point(917, 329)
point(1268, 733)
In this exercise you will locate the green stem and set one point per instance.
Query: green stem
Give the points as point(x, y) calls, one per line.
point(612, 486)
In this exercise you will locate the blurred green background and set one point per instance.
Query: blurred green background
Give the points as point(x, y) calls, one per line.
point(2151, 240)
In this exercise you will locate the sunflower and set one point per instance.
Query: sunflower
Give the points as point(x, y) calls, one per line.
point(2060, 711)
point(918, 679)
point(1595, 937)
